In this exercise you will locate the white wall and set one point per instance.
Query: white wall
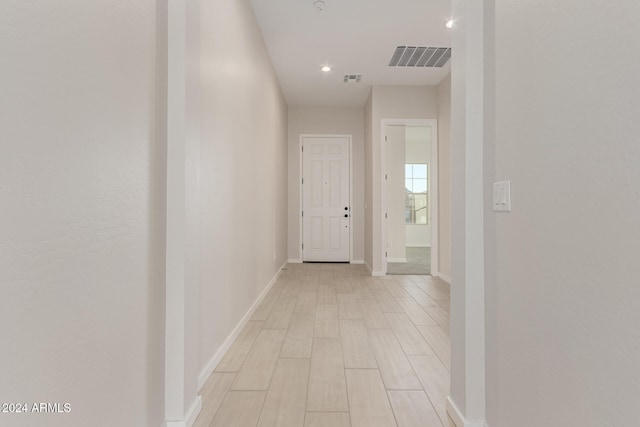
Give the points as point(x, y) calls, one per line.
point(444, 176)
point(564, 283)
point(469, 76)
point(81, 184)
point(242, 171)
point(391, 102)
point(325, 120)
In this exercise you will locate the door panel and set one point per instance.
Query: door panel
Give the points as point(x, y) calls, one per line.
point(325, 195)
point(335, 183)
point(317, 233)
point(335, 233)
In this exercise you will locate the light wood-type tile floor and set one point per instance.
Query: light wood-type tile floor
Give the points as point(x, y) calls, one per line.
point(331, 346)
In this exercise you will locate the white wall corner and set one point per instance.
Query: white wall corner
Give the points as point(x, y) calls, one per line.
point(369, 269)
point(374, 273)
point(458, 418)
point(215, 359)
point(443, 277)
point(190, 417)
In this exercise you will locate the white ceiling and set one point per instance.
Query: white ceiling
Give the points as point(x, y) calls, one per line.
point(353, 37)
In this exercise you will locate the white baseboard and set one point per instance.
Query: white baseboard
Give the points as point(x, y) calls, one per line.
point(213, 362)
point(294, 261)
point(443, 277)
point(191, 415)
point(458, 418)
point(396, 260)
point(418, 246)
point(373, 273)
point(357, 261)
point(454, 413)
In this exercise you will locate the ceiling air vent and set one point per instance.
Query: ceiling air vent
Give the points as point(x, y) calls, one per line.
point(352, 78)
point(412, 56)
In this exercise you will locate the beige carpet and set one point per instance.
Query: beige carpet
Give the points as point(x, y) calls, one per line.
point(418, 262)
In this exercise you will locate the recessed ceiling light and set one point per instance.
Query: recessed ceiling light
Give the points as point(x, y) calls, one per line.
point(326, 68)
point(449, 23)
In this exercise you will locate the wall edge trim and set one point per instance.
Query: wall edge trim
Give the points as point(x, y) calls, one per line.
point(192, 414)
point(458, 418)
point(217, 356)
point(443, 277)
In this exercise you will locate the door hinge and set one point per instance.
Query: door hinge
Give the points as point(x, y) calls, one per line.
point(385, 215)
point(302, 181)
point(385, 176)
point(385, 137)
point(385, 255)
point(302, 213)
point(303, 148)
point(303, 246)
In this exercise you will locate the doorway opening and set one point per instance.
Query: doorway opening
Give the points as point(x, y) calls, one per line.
point(410, 196)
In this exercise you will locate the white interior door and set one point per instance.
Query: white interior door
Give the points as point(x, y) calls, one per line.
point(396, 194)
point(325, 199)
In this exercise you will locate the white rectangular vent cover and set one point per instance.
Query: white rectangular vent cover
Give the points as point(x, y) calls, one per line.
point(412, 56)
point(352, 78)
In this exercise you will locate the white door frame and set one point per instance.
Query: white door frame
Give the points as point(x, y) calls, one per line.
point(300, 189)
point(433, 187)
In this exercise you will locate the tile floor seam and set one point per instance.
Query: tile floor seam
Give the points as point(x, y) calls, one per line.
point(395, 417)
point(354, 285)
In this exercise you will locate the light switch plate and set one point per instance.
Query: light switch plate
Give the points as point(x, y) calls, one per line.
point(502, 196)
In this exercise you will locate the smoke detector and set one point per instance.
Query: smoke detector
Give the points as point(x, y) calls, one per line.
point(352, 78)
point(320, 4)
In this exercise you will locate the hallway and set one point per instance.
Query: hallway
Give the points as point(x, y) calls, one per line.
point(332, 346)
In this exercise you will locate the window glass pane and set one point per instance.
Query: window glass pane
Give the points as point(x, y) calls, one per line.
point(420, 201)
point(408, 171)
point(407, 217)
point(408, 201)
point(419, 185)
point(420, 171)
point(408, 184)
point(421, 216)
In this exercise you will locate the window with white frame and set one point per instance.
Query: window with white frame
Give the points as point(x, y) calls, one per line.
point(416, 183)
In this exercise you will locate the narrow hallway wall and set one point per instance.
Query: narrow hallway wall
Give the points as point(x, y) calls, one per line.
point(564, 286)
point(242, 204)
point(81, 184)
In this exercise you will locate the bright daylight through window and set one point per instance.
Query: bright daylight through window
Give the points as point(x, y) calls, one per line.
point(416, 196)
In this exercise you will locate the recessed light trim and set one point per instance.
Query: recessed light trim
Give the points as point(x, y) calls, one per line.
point(325, 69)
point(449, 24)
